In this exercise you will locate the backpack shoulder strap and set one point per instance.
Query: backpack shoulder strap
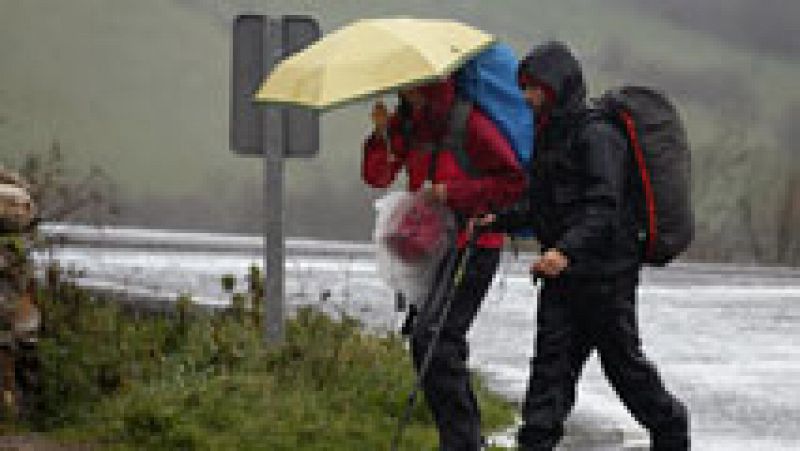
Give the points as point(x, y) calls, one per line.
point(456, 136)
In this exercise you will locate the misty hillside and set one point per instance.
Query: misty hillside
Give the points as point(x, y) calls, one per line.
point(141, 88)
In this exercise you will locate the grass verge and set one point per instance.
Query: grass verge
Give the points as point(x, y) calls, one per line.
point(201, 381)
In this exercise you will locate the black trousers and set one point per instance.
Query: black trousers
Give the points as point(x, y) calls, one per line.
point(574, 318)
point(447, 384)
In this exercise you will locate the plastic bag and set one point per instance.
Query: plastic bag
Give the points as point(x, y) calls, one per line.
point(413, 234)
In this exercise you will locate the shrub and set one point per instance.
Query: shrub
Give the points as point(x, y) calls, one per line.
point(205, 381)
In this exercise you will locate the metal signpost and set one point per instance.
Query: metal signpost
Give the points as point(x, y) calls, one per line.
point(270, 132)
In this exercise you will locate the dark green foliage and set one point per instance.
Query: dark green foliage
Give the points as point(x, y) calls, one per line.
point(228, 282)
point(205, 381)
point(61, 194)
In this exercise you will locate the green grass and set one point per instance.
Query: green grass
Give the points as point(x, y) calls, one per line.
point(201, 381)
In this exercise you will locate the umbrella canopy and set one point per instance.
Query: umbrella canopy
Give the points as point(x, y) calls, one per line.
point(371, 56)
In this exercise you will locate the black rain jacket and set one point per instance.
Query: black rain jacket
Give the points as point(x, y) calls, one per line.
point(581, 197)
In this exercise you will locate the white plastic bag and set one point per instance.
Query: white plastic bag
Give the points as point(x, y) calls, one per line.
point(408, 264)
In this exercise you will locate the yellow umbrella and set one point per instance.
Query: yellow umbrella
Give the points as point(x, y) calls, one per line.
point(369, 57)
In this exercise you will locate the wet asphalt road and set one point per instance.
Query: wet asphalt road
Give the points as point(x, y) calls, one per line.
point(726, 339)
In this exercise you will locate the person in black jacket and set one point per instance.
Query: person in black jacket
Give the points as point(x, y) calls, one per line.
point(582, 206)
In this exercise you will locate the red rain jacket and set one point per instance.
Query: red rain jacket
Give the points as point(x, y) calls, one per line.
point(502, 179)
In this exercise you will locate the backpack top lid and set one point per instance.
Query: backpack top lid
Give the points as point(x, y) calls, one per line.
point(652, 109)
point(489, 80)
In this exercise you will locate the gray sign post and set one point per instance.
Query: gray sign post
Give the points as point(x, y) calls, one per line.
point(271, 132)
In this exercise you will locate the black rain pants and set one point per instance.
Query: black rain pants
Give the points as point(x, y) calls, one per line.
point(574, 318)
point(446, 384)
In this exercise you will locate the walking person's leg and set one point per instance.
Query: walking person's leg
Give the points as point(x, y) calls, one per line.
point(447, 383)
point(633, 377)
point(560, 353)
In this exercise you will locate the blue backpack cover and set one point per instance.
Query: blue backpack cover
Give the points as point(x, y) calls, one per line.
point(489, 80)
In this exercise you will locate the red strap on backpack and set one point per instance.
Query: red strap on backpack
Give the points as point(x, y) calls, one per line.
point(647, 187)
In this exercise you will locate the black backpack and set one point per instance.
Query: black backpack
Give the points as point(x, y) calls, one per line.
point(662, 163)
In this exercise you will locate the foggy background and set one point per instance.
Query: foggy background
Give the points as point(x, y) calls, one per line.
point(140, 89)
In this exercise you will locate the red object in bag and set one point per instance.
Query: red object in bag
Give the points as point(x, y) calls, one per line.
point(418, 231)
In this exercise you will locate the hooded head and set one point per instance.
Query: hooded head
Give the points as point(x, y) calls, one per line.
point(429, 117)
point(553, 66)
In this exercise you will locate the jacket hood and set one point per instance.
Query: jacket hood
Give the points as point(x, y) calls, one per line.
point(440, 96)
point(554, 65)
point(430, 123)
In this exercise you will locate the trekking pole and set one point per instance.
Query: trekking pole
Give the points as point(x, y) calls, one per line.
point(458, 276)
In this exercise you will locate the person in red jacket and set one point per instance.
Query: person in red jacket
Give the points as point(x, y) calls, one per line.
point(412, 140)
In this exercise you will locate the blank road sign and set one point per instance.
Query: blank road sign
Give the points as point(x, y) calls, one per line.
point(247, 69)
point(301, 125)
point(258, 44)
